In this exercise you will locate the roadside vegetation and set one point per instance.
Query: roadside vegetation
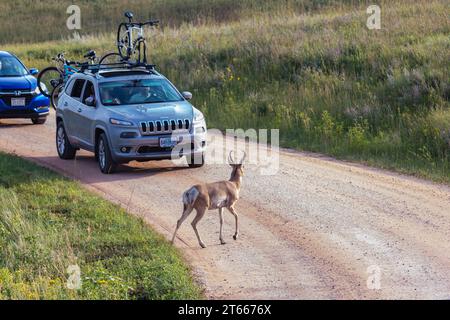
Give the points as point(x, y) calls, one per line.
point(311, 69)
point(48, 223)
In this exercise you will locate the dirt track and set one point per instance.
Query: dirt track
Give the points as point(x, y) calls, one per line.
point(311, 231)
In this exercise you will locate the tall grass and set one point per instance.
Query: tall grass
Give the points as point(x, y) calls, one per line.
point(320, 76)
point(43, 20)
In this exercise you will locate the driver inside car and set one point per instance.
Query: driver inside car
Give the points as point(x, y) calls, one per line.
point(150, 94)
point(108, 96)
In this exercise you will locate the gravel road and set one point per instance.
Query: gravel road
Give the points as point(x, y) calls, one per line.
point(319, 228)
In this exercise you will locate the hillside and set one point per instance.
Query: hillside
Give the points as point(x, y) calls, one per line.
point(317, 73)
point(44, 20)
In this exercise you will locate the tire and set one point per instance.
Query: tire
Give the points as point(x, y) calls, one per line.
point(122, 42)
point(103, 153)
point(141, 54)
point(51, 77)
point(111, 58)
point(39, 120)
point(55, 96)
point(63, 146)
point(196, 162)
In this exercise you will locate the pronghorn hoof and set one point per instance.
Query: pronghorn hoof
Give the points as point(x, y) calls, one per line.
point(222, 242)
point(235, 237)
point(202, 245)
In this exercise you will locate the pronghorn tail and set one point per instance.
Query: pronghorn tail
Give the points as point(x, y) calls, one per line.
point(189, 197)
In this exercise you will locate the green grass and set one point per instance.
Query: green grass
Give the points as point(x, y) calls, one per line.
point(48, 223)
point(102, 16)
point(313, 70)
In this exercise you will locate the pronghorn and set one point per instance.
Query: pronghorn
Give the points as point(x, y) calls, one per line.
point(210, 196)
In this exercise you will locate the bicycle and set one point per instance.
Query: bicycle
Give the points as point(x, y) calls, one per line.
point(51, 80)
point(131, 42)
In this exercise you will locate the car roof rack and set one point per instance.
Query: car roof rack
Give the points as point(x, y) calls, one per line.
point(124, 65)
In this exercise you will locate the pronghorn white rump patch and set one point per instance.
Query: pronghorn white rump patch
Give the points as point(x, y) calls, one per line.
point(219, 201)
point(190, 196)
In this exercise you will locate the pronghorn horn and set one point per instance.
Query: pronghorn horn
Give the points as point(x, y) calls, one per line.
point(230, 158)
point(243, 158)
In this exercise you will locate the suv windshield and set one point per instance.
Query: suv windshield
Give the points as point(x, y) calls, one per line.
point(138, 92)
point(11, 67)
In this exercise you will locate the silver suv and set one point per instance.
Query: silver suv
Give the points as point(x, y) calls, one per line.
point(128, 114)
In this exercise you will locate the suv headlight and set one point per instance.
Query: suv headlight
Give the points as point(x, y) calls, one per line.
point(120, 122)
point(198, 117)
point(199, 122)
point(37, 91)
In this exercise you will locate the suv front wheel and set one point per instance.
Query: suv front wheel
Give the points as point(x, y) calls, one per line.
point(38, 120)
point(105, 160)
point(196, 161)
point(63, 146)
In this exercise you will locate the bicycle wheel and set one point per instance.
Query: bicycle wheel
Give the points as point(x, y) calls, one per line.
point(48, 79)
point(123, 42)
point(139, 55)
point(55, 95)
point(142, 51)
point(111, 58)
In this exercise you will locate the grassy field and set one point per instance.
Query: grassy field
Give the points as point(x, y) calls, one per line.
point(102, 16)
point(48, 223)
point(313, 70)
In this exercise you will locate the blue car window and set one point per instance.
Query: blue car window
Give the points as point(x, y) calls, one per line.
point(11, 67)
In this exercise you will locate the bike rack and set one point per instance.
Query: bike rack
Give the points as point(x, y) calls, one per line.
point(96, 68)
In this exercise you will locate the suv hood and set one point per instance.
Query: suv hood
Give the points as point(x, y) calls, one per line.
point(154, 111)
point(26, 83)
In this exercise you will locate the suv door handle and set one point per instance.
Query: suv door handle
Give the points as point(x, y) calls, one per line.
point(80, 110)
point(66, 104)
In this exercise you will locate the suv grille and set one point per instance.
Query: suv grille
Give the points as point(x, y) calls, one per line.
point(148, 149)
point(164, 126)
point(6, 96)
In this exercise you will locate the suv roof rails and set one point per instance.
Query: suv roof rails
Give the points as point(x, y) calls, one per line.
point(96, 68)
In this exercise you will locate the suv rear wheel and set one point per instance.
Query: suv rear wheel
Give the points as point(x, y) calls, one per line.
point(105, 160)
point(65, 149)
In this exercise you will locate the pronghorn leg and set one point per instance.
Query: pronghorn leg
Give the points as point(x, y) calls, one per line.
point(187, 211)
point(221, 225)
point(236, 218)
point(198, 217)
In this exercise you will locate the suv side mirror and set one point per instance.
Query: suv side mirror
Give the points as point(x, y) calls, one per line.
point(34, 71)
point(90, 101)
point(187, 95)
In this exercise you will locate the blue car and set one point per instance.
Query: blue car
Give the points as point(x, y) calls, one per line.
point(20, 96)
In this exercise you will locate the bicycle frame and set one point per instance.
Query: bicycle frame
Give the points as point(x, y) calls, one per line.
point(66, 67)
point(68, 70)
point(131, 42)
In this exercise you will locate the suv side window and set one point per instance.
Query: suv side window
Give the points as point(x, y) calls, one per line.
point(69, 87)
point(77, 89)
point(89, 91)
